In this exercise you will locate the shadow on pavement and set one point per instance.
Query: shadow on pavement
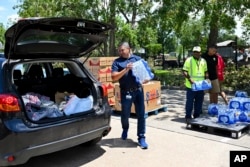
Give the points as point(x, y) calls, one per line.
point(67, 157)
point(118, 142)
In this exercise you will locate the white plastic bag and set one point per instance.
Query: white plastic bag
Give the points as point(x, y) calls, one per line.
point(77, 105)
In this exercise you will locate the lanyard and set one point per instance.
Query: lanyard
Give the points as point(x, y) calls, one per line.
point(197, 63)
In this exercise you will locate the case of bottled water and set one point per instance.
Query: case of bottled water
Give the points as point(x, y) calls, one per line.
point(237, 114)
point(246, 104)
point(243, 116)
point(236, 103)
point(240, 93)
point(213, 109)
point(226, 116)
point(201, 85)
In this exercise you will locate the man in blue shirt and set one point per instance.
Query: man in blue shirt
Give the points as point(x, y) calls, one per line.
point(131, 92)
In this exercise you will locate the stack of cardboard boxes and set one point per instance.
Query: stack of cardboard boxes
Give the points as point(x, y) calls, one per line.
point(100, 67)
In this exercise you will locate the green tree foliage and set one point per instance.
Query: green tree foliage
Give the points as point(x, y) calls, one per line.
point(237, 79)
point(149, 22)
point(129, 13)
point(217, 14)
point(246, 28)
point(2, 31)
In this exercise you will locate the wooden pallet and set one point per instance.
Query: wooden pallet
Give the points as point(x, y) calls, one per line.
point(210, 125)
point(162, 108)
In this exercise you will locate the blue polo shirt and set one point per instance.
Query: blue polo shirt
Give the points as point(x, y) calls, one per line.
point(127, 81)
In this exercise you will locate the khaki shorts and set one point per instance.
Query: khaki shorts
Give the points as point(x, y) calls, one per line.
point(215, 86)
point(221, 85)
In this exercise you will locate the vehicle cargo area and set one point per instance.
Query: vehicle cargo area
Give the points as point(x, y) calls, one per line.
point(52, 90)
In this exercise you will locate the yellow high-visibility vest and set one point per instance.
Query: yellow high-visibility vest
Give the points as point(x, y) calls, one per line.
point(196, 69)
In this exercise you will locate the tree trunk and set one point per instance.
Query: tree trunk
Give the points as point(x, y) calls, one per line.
point(213, 35)
point(214, 29)
point(112, 48)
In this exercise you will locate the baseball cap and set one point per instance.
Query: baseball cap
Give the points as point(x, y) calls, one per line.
point(197, 49)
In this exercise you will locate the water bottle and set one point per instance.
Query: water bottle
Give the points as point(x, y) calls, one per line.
point(237, 115)
point(248, 116)
point(240, 93)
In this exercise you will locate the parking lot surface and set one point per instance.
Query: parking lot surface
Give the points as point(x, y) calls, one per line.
point(170, 143)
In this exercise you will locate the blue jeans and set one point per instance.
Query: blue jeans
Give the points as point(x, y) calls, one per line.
point(136, 97)
point(194, 99)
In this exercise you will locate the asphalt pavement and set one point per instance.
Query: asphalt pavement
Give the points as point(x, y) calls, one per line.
point(170, 143)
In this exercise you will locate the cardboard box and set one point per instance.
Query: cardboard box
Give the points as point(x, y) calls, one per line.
point(111, 101)
point(152, 90)
point(118, 106)
point(95, 70)
point(149, 105)
point(110, 88)
point(152, 104)
point(152, 95)
point(109, 78)
point(110, 60)
point(97, 61)
point(102, 79)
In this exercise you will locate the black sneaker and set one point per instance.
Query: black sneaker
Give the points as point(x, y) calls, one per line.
point(188, 120)
point(124, 134)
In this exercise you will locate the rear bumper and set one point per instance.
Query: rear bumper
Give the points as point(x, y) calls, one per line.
point(22, 156)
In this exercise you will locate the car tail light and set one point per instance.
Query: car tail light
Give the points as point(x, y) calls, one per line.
point(104, 90)
point(9, 103)
point(10, 158)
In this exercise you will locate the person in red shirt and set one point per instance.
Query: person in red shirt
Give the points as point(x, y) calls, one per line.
point(220, 74)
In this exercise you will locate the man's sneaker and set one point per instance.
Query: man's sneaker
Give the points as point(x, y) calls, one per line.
point(188, 120)
point(124, 134)
point(142, 143)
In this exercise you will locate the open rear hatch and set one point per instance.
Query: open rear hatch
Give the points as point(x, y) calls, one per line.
point(53, 38)
point(60, 39)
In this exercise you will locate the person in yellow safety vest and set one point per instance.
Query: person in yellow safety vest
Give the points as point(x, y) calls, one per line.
point(194, 69)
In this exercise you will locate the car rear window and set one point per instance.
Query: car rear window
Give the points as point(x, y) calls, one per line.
point(31, 36)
